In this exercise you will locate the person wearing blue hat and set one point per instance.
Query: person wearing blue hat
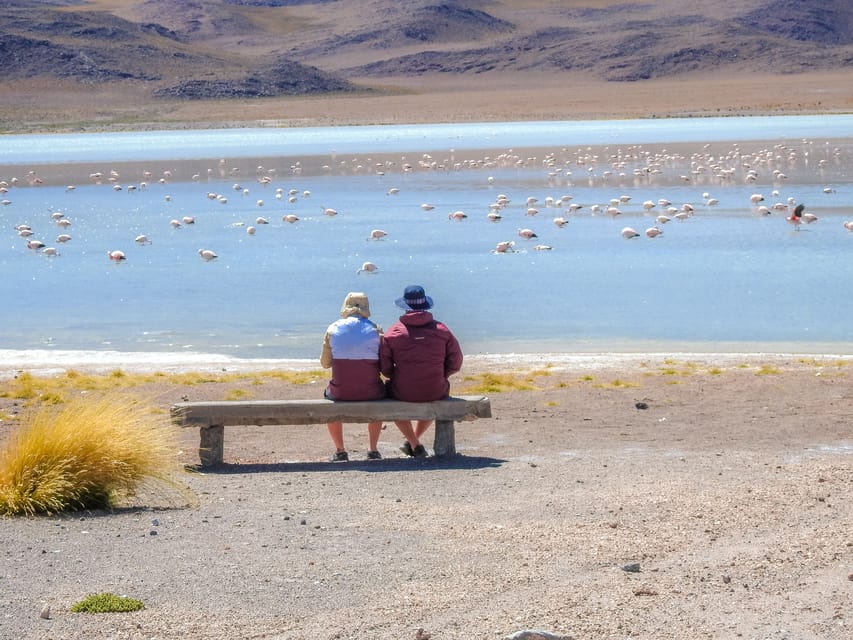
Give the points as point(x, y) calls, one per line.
point(418, 354)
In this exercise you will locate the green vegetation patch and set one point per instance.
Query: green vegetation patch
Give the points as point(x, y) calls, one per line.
point(107, 603)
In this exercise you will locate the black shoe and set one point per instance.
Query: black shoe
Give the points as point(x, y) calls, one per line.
point(374, 455)
point(419, 451)
point(340, 456)
point(407, 449)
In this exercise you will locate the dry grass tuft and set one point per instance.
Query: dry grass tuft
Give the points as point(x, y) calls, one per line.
point(55, 389)
point(502, 382)
point(87, 454)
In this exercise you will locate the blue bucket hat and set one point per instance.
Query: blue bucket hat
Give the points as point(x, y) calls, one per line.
point(414, 299)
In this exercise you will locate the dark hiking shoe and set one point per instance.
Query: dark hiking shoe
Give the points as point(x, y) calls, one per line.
point(339, 456)
point(374, 455)
point(419, 451)
point(407, 449)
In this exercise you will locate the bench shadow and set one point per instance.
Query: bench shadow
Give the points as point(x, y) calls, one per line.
point(386, 465)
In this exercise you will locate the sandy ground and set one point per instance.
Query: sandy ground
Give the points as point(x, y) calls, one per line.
point(730, 485)
point(33, 106)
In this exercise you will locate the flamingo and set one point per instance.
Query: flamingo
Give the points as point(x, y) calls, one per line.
point(116, 255)
point(560, 222)
point(527, 234)
point(653, 232)
point(329, 212)
point(35, 245)
point(176, 224)
point(188, 220)
point(251, 230)
point(377, 234)
point(457, 215)
point(207, 255)
point(796, 218)
point(849, 225)
point(629, 233)
point(505, 246)
point(50, 251)
point(63, 237)
point(142, 239)
point(427, 207)
point(755, 198)
point(261, 220)
point(291, 218)
point(494, 216)
point(368, 267)
point(542, 247)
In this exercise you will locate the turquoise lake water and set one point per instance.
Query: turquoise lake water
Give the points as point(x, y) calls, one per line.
point(729, 277)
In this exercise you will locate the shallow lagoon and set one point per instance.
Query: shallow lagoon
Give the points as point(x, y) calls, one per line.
point(728, 278)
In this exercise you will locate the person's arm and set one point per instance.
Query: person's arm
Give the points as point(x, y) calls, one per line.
point(326, 354)
point(386, 358)
point(453, 356)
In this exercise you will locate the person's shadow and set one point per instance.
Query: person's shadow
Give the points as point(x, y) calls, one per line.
point(386, 465)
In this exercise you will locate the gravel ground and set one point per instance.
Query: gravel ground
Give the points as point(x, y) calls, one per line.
point(659, 499)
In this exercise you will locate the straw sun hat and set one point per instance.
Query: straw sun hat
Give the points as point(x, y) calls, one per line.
point(355, 304)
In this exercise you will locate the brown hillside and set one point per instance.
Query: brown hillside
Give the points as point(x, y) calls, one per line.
point(137, 63)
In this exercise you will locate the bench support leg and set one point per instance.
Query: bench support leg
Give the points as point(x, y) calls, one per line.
point(211, 444)
point(445, 439)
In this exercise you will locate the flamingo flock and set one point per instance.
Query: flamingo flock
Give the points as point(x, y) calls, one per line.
point(634, 174)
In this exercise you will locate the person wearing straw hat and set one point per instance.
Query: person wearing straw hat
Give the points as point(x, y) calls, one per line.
point(351, 351)
point(418, 354)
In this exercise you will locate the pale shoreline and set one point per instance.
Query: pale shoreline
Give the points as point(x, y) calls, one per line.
point(52, 363)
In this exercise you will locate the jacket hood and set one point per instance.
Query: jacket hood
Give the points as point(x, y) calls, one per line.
point(416, 318)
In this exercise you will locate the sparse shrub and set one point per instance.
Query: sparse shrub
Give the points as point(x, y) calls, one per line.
point(498, 383)
point(106, 603)
point(85, 454)
point(237, 394)
point(767, 370)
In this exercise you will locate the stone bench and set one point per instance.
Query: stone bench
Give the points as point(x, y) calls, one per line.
point(212, 417)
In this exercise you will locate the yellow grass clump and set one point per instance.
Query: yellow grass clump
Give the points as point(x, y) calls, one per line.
point(54, 389)
point(85, 454)
point(494, 382)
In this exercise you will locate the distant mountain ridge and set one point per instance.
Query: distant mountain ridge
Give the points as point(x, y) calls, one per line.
point(262, 48)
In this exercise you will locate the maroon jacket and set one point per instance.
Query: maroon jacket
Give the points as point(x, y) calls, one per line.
point(418, 354)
